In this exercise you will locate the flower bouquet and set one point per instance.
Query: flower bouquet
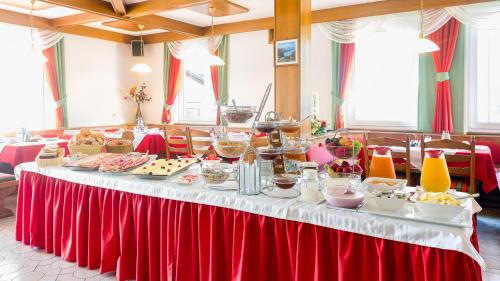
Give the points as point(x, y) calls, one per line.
point(139, 97)
point(318, 127)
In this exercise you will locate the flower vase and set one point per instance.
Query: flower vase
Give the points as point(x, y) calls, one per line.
point(138, 113)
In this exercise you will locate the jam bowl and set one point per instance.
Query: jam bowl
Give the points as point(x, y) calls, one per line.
point(266, 126)
point(289, 126)
point(238, 114)
point(269, 153)
point(285, 181)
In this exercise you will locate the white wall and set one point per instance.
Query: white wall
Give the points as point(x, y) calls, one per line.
point(95, 81)
point(250, 68)
point(98, 77)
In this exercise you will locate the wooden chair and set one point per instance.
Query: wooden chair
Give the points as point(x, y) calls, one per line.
point(197, 145)
point(128, 135)
point(386, 141)
point(468, 171)
point(176, 142)
point(8, 186)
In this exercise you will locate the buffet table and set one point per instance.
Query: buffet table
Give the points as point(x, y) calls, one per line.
point(158, 230)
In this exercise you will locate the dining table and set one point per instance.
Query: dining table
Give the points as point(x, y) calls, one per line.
point(162, 230)
point(15, 153)
point(485, 167)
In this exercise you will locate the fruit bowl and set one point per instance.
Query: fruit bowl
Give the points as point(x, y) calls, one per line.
point(344, 167)
point(340, 152)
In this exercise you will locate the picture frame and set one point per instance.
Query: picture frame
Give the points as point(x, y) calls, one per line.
point(286, 52)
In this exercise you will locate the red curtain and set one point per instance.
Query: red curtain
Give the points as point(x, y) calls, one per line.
point(149, 238)
point(446, 39)
point(174, 72)
point(346, 66)
point(51, 76)
point(214, 72)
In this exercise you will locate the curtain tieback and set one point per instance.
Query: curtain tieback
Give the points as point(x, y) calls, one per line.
point(337, 100)
point(442, 76)
point(60, 103)
point(167, 106)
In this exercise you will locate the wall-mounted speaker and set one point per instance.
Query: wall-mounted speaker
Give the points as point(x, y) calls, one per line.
point(137, 48)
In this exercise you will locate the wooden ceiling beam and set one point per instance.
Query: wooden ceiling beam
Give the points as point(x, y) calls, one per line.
point(77, 19)
point(104, 9)
point(383, 8)
point(151, 7)
point(119, 7)
point(43, 23)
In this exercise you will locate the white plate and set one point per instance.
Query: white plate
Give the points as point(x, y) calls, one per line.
point(281, 193)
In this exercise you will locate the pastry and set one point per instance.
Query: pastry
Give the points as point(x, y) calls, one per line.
point(164, 167)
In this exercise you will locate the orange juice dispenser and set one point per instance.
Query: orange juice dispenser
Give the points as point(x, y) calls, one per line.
point(435, 176)
point(381, 165)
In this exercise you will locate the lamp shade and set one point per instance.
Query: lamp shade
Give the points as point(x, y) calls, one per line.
point(425, 45)
point(141, 68)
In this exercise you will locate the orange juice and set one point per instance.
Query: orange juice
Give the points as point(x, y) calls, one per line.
point(435, 176)
point(382, 167)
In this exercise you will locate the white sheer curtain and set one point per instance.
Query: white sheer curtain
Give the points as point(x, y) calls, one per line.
point(194, 47)
point(481, 16)
point(45, 39)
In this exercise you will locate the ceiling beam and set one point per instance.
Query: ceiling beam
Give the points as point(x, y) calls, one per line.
point(151, 7)
point(43, 23)
point(325, 15)
point(383, 8)
point(105, 9)
point(119, 7)
point(76, 19)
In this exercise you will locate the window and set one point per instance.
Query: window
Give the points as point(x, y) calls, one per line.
point(26, 101)
point(483, 66)
point(384, 89)
point(196, 101)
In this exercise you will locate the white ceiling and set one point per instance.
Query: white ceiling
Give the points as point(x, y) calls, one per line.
point(258, 9)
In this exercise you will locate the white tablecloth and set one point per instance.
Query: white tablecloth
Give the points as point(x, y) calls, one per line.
point(419, 233)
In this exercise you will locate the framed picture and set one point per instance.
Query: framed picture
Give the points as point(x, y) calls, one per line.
point(286, 52)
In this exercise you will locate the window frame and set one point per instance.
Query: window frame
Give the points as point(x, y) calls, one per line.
point(471, 85)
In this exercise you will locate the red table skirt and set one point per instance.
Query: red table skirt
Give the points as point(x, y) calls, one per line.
point(154, 144)
point(17, 154)
point(148, 238)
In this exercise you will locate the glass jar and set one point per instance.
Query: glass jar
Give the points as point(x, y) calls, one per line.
point(310, 187)
point(435, 176)
point(381, 165)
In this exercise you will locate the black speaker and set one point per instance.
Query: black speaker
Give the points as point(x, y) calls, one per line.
point(137, 48)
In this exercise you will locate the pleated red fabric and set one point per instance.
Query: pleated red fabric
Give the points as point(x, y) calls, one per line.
point(147, 238)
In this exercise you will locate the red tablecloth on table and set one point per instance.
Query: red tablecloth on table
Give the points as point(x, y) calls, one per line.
point(17, 154)
point(154, 143)
point(148, 238)
point(485, 168)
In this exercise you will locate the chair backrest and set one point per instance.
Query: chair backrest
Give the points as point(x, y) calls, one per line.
point(467, 161)
point(404, 154)
point(200, 142)
point(128, 135)
point(176, 142)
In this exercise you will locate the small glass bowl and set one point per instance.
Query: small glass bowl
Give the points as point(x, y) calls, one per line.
point(289, 127)
point(238, 114)
point(266, 126)
point(285, 181)
point(269, 153)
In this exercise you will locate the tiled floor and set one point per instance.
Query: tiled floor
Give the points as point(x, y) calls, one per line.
point(21, 263)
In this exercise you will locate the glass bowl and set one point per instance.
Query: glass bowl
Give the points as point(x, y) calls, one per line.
point(266, 126)
point(231, 145)
point(216, 173)
point(285, 181)
point(238, 114)
point(269, 153)
point(289, 127)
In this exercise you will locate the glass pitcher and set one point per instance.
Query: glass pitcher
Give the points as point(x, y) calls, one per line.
point(381, 165)
point(435, 176)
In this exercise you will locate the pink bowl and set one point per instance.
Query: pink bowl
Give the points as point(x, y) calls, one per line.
point(337, 198)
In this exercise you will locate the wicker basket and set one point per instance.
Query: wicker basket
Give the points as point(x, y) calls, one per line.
point(127, 147)
point(52, 161)
point(85, 149)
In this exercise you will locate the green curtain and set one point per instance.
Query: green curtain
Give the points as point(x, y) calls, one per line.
point(223, 75)
point(61, 79)
point(335, 83)
point(427, 88)
point(166, 68)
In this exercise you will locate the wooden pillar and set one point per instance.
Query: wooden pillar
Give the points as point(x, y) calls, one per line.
point(292, 81)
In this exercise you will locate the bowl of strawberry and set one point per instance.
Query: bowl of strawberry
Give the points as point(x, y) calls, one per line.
point(343, 169)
